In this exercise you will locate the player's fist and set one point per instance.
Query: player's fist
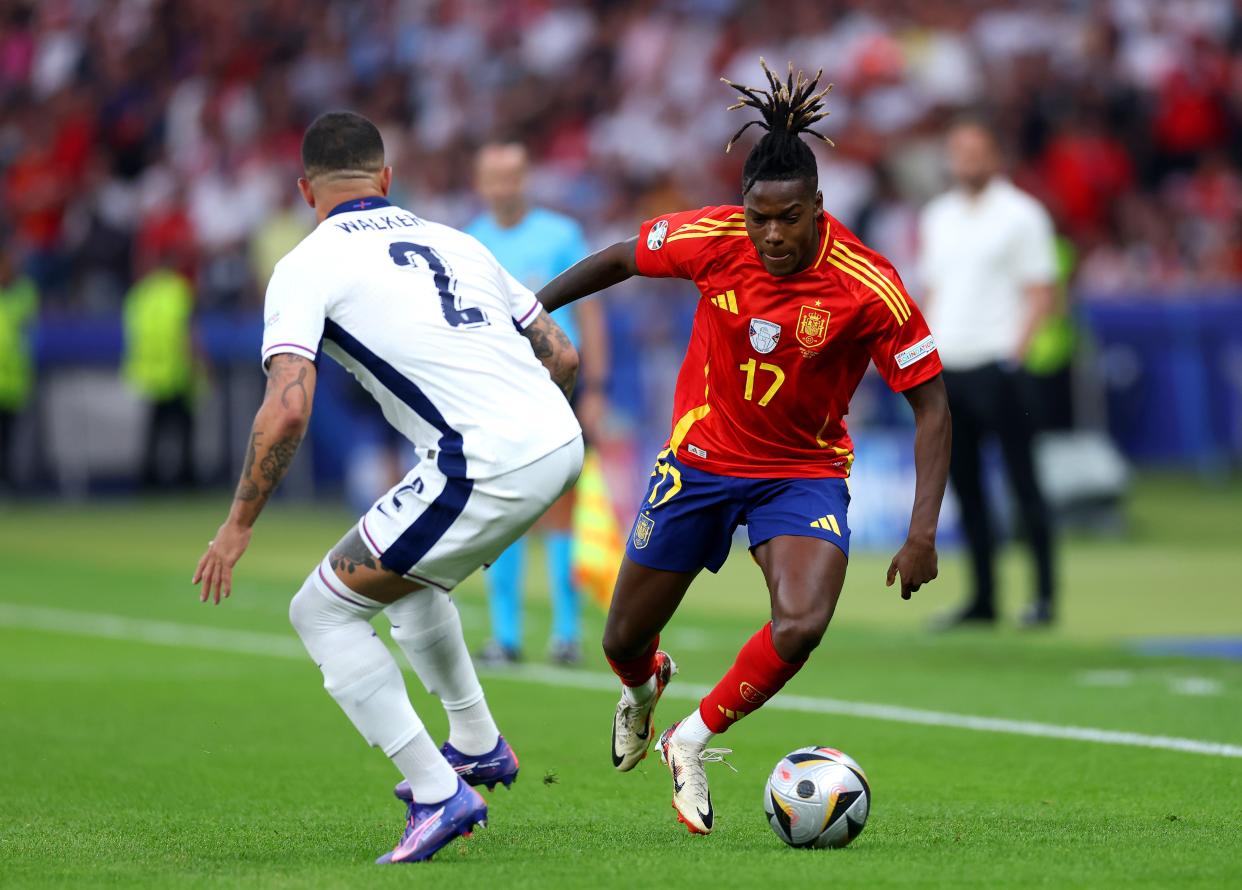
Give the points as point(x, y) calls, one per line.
point(916, 563)
point(215, 568)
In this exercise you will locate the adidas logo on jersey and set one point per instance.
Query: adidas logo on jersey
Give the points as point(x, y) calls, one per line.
point(726, 301)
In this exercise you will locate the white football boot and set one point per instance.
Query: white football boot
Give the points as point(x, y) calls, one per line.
point(692, 799)
point(632, 724)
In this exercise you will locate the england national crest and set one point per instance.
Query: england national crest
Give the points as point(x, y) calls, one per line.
point(642, 531)
point(764, 335)
point(813, 326)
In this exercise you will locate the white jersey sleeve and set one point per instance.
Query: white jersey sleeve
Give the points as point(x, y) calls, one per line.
point(523, 304)
point(294, 310)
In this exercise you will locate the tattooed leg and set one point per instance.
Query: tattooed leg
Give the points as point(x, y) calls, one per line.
point(361, 572)
point(351, 554)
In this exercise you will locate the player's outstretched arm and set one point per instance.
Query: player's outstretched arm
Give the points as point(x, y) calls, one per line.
point(552, 347)
point(274, 439)
point(601, 270)
point(933, 436)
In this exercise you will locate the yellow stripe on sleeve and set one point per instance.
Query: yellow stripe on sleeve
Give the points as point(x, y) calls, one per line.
point(883, 295)
point(884, 282)
point(708, 223)
point(715, 234)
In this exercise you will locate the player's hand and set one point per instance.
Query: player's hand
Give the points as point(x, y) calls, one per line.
point(215, 569)
point(916, 563)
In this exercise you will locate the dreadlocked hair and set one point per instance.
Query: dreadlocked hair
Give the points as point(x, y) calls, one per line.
point(786, 109)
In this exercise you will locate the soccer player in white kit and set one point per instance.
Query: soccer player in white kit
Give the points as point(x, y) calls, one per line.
point(463, 361)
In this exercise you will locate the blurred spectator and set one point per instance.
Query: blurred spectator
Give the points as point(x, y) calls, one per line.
point(535, 245)
point(159, 366)
point(279, 234)
point(125, 119)
point(19, 300)
point(988, 263)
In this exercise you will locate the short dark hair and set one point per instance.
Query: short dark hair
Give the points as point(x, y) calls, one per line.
point(786, 110)
point(343, 143)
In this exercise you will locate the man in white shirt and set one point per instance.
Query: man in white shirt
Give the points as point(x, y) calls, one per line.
point(465, 363)
point(988, 264)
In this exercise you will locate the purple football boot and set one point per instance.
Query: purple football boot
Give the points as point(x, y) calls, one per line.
point(498, 766)
point(431, 826)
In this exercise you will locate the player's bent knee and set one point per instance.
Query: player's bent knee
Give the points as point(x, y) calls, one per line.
point(622, 643)
point(795, 638)
point(303, 609)
point(423, 619)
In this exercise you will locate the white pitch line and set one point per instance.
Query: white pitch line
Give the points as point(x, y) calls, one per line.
point(166, 633)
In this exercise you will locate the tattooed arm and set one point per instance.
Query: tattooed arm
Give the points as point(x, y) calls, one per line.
point(274, 439)
point(553, 348)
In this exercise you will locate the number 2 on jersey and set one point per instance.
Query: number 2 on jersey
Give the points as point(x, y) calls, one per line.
point(403, 253)
point(749, 368)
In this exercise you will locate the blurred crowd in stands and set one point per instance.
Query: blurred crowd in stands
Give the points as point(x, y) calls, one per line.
point(137, 134)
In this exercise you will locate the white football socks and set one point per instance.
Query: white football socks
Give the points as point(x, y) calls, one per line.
point(693, 731)
point(639, 695)
point(427, 627)
point(424, 767)
point(360, 673)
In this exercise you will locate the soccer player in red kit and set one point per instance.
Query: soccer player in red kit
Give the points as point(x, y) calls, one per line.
point(792, 309)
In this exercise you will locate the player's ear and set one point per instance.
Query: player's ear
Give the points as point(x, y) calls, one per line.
point(304, 187)
point(385, 181)
point(819, 203)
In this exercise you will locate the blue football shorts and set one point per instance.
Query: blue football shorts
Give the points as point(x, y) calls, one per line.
point(687, 517)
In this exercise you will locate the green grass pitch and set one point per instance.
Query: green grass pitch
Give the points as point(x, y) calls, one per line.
point(149, 741)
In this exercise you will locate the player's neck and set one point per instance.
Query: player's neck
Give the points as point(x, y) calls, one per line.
point(976, 187)
point(509, 215)
point(329, 199)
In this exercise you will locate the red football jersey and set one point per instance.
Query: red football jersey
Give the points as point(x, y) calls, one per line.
point(774, 360)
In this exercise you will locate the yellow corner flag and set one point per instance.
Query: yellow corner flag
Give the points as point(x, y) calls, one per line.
point(597, 548)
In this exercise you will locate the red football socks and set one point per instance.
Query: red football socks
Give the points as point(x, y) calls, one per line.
point(637, 671)
point(757, 674)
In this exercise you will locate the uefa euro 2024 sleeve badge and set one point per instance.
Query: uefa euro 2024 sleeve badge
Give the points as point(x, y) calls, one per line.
point(642, 531)
point(655, 237)
point(764, 335)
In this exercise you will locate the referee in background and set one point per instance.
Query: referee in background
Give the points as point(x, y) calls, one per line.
point(988, 265)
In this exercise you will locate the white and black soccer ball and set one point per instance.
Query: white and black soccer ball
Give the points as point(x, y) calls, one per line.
point(817, 797)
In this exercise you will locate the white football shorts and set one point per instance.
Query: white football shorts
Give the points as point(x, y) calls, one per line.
point(436, 531)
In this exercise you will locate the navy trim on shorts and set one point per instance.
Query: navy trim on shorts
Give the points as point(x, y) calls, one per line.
point(425, 531)
point(451, 460)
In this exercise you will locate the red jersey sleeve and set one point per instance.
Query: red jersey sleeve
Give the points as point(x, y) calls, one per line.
point(900, 343)
point(676, 245)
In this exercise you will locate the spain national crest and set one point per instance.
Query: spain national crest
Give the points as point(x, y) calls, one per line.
point(642, 531)
point(812, 326)
point(764, 335)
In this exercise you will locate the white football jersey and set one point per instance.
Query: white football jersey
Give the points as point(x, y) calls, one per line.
point(429, 323)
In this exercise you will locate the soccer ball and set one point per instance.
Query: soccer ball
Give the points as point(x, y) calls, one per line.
point(817, 797)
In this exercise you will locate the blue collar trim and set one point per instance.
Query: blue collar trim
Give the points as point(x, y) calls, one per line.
point(359, 204)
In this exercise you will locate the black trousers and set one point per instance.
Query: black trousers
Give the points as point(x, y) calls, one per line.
point(992, 401)
point(169, 419)
point(8, 432)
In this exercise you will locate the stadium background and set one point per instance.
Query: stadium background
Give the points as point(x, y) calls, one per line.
point(139, 133)
point(136, 135)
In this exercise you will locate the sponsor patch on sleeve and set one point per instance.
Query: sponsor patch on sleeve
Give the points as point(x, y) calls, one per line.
point(655, 237)
point(919, 350)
